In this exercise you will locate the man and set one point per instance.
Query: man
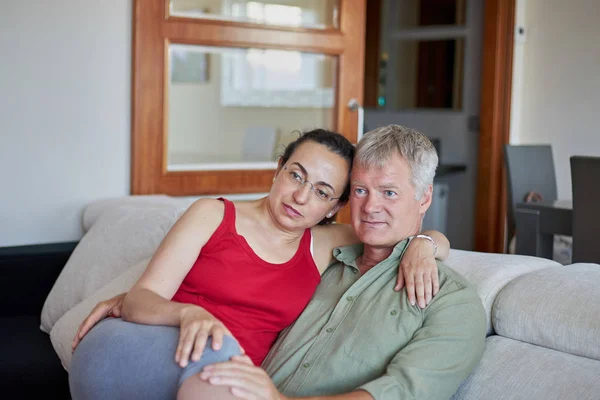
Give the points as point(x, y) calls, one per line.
point(358, 339)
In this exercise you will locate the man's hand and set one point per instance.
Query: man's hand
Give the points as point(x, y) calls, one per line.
point(418, 272)
point(245, 380)
point(108, 308)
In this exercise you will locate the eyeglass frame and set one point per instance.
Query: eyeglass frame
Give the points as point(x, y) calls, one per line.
point(303, 182)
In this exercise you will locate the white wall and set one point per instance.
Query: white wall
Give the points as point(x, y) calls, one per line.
point(556, 81)
point(64, 113)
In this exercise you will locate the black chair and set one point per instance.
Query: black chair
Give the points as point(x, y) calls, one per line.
point(585, 177)
point(529, 169)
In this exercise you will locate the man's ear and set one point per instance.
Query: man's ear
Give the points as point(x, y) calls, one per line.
point(425, 200)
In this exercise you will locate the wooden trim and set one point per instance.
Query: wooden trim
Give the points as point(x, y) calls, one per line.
point(351, 69)
point(153, 30)
point(242, 24)
point(496, 78)
point(213, 34)
point(147, 97)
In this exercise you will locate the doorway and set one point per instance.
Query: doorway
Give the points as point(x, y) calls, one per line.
point(428, 77)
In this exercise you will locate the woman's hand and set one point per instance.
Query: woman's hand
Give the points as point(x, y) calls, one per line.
point(418, 272)
point(196, 325)
point(107, 308)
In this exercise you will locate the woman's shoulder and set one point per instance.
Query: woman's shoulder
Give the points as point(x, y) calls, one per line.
point(328, 237)
point(206, 209)
point(334, 235)
point(208, 204)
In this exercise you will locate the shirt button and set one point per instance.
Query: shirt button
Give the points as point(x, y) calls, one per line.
point(354, 271)
point(306, 365)
point(329, 330)
point(393, 312)
point(349, 298)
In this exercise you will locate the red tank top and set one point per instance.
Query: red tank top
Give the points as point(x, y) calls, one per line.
point(253, 298)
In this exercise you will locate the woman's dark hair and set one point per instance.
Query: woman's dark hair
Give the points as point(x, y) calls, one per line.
point(335, 143)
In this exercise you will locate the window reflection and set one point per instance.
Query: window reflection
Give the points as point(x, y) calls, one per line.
point(232, 108)
point(319, 14)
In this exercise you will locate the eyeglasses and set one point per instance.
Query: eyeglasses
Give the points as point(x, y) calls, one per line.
point(321, 192)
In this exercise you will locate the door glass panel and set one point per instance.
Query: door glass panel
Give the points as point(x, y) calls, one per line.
point(233, 108)
point(420, 13)
point(316, 14)
point(422, 74)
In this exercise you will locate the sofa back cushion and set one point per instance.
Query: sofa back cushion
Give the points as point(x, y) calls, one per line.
point(119, 238)
point(66, 327)
point(94, 210)
point(557, 308)
point(489, 272)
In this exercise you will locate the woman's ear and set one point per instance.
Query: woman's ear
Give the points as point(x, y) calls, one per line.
point(279, 166)
point(335, 209)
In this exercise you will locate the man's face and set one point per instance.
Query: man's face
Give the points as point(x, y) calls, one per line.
point(382, 203)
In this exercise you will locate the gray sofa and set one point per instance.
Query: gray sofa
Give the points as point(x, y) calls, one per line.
point(543, 318)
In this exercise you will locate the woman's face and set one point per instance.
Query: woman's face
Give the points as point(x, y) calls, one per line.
point(304, 186)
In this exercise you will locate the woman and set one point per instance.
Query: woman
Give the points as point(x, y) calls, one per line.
point(236, 274)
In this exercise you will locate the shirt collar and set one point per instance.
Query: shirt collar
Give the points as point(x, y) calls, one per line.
point(349, 254)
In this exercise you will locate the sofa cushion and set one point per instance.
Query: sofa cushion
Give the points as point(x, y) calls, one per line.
point(489, 272)
point(120, 238)
point(95, 209)
point(521, 371)
point(64, 330)
point(556, 308)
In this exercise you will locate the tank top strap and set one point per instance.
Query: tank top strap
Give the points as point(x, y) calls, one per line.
point(226, 225)
point(306, 244)
point(228, 222)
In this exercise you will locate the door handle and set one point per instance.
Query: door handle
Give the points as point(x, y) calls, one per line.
point(354, 105)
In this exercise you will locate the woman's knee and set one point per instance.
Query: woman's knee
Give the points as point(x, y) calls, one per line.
point(229, 348)
point(113, 356)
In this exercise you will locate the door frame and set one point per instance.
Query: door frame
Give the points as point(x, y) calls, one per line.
point(154, 29)
point(496, 92)
point(496, 83)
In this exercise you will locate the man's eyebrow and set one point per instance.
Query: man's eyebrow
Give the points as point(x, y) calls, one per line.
point(384, 186)
point(389, 186)
point(306, 174)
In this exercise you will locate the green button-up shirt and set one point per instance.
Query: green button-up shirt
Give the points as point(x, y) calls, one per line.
point(358, 333)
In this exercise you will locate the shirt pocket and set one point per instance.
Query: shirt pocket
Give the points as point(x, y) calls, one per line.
point(380, 333)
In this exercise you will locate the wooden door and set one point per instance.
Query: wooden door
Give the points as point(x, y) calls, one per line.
point(157, 29)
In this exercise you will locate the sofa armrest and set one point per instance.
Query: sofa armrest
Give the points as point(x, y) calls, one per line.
point(28, 273)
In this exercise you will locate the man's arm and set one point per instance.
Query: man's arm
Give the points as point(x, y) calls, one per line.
point(248, 381)
point(358, 395)
point(438, 358)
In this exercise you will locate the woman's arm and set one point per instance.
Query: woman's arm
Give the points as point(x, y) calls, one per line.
point(442, 242)
point(106, 308)
point(328, 237)
point(417, 270)
point(418, 267)
point(148, 301)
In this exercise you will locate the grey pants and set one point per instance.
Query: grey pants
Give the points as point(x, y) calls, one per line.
point(123, 360)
